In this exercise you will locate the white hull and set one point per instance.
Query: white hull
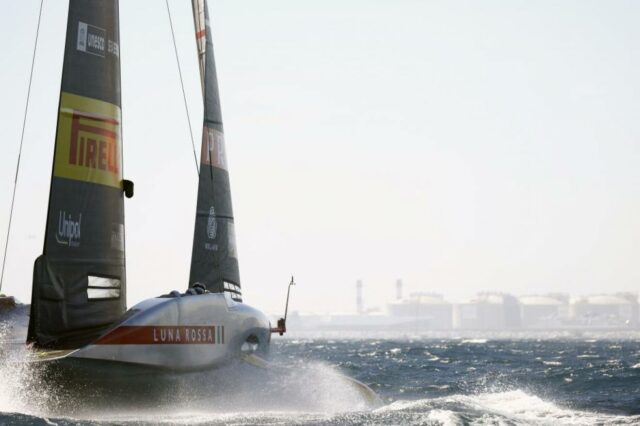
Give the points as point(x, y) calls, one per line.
point(185, 333)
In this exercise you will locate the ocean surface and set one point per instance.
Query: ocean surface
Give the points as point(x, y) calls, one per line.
point(554, 380)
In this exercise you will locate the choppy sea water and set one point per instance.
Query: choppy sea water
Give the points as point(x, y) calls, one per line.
point(421, 380)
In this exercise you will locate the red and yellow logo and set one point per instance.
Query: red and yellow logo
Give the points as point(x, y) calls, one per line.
point(213, 152)
point(88, 141)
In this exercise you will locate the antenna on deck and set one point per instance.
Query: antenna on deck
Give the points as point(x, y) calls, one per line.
point(282, 322)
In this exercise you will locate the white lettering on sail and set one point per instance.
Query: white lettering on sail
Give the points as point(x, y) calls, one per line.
point(95, 42)
point(68, 229)
point(91, 39)
point(117, 236)
point(212, 224)
point(114, 49)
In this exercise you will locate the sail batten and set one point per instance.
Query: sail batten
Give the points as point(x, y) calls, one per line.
point(214, 262)
point(84, 240)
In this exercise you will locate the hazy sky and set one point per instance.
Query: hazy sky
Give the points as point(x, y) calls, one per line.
point(460, 146)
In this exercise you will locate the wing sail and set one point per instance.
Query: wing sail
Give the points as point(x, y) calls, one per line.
point(79, 280)
point(214, 259)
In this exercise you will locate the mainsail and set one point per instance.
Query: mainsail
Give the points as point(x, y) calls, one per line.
point(79, 280)
point(214, 261)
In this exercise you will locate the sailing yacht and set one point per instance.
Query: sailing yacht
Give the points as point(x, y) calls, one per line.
point(78, 310)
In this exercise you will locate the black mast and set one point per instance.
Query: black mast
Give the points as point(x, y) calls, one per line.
point(79, 280)
point(214, 261)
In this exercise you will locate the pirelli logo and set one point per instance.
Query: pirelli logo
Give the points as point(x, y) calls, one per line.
point(88, 141)
point(213, 152)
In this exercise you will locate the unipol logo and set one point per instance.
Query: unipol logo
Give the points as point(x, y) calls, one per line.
point(91, 39)
point(68, 229)
point(212, 225)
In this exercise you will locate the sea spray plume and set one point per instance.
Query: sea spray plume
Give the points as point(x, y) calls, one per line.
point(243, 394)
point(321, 388)
point(22, 387)
point(312, 387)
point(236, 393)
point(26, 385)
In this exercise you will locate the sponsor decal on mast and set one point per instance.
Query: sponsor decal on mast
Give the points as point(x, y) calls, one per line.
point(88, 144)
point(212, 224)
point(213, 151)
point(93, 40)
point(212, 230)
point(68, 229)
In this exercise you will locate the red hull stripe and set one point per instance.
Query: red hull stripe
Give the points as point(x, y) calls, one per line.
point(164, 335)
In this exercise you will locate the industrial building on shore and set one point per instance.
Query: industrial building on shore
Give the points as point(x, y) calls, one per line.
point(428, 308)
point(487, 311)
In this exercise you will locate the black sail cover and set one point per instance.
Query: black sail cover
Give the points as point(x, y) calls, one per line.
point(214, 260)
point(79, 280)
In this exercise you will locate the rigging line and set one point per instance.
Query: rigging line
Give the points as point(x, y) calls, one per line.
point(24, 124)
point(184, 96)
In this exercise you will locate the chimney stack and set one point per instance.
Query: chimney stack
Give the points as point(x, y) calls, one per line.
point(399, 290)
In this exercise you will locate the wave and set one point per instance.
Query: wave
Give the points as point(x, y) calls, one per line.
point(515, 407)
point(512, 407)
point(314, 393)
point(474, 341)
